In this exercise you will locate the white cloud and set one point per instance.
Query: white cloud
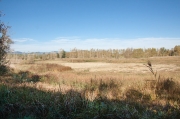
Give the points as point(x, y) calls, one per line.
point(67, 43)
point(23, 40)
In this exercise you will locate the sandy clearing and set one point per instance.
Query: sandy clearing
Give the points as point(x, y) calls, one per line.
point(110, 67)
point(118, 67)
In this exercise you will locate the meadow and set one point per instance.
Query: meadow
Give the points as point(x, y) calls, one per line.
point(92, 88)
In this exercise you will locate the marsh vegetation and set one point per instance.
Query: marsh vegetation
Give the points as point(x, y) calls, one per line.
point(122, 89)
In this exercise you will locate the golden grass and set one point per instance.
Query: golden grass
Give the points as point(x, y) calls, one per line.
point(98, 83)
point(130, 87)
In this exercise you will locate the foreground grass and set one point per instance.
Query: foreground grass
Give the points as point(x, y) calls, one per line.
point(25, 102)
point(97, 98)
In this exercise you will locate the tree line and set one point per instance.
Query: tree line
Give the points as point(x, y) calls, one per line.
point(98, 53)
point(123, 53)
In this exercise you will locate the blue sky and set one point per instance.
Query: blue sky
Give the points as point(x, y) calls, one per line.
point(49, 25)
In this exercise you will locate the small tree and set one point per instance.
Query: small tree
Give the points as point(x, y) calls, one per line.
point(177, 50)
point(5, 42)
point(63, 54)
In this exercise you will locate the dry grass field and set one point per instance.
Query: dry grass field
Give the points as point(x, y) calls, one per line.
point(108, 88)
point(111, 65)
point(125, 70)
point(79, 74)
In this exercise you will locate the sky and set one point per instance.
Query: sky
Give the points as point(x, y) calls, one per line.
point(51, 25)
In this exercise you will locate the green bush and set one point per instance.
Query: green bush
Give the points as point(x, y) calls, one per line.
point(3, 69)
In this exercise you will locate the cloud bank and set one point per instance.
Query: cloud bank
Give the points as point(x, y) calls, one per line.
point(67, 43)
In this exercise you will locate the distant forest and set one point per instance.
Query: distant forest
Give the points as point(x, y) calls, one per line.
point(99, 53)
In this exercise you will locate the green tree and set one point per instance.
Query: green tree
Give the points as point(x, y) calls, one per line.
point(171, 52)
point(5, 42)
point(63, 54)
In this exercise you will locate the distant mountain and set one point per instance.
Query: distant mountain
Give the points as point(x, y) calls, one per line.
point(18, 52)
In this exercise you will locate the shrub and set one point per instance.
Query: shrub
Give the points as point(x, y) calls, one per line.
point(49, 67)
